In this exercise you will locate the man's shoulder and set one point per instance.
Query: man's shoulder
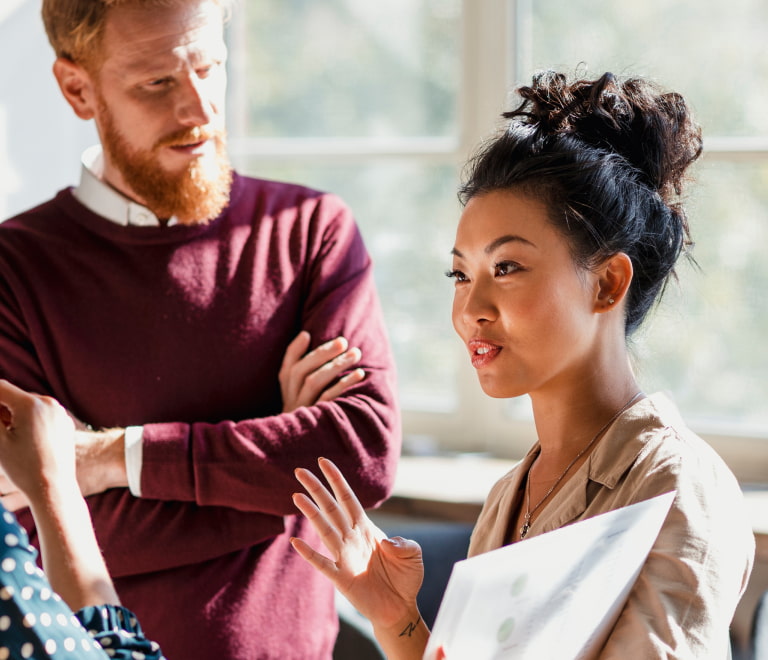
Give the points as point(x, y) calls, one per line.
point(274, 194)
point(37, 216)
point(266, 185)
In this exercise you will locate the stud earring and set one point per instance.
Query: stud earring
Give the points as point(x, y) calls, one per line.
point(611, 301)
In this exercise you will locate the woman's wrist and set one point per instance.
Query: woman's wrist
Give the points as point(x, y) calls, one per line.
point(47, 492)
point(405, 639)
point(55, 499)
point(70, 552)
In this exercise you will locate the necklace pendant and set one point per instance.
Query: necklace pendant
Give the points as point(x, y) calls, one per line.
point(524, 530)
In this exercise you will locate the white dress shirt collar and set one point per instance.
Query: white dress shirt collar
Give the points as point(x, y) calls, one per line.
point(101, 198)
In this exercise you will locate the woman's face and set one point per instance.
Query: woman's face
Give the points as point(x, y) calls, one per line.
point(523, 308)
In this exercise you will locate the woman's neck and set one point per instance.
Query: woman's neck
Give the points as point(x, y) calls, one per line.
point(569, 420)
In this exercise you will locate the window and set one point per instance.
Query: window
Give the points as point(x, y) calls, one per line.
point(705, 344)
point(366, 104)
point(382, 103)
point(40, 137)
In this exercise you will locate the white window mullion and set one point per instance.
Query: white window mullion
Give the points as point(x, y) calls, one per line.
point(489, 64)
point(488, 68)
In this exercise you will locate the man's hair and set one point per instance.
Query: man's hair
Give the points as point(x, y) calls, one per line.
point(75, 27)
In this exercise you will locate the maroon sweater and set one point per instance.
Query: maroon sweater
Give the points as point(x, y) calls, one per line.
point(183, 329)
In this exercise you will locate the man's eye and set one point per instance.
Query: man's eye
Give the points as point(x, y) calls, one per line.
point(209, 69)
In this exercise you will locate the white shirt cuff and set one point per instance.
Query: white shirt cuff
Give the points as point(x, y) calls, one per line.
point(133, 457)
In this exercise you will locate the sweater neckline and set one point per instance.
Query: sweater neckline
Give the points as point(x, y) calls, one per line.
point(93, 222)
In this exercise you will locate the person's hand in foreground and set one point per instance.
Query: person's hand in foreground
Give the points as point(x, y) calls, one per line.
point(309, 378)
point(379, 576)
point(37, 455)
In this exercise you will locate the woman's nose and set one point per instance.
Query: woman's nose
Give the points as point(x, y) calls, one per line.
point(479, 303)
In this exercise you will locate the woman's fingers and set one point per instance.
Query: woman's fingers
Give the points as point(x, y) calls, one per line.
point(339, 518)
point(315, 559)
point(324, 501)
point(329, 533)
point(345, 496)
point(342, 507)
point(400, 548)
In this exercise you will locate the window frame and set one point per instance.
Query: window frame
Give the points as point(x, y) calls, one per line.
point(495, 35)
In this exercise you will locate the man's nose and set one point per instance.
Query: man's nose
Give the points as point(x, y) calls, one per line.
point(194, 107)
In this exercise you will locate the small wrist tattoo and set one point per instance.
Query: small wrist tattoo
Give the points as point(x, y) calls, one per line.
point(410, 628)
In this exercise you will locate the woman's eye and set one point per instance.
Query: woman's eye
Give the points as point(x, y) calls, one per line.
point(505, 268)
point(456, 275)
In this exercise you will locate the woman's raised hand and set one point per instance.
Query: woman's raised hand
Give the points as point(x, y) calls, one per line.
point(379, 576)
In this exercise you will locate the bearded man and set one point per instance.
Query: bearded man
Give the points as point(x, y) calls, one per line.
point(170, 305)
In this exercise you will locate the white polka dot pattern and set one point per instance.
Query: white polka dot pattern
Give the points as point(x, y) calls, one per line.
point(36, 623)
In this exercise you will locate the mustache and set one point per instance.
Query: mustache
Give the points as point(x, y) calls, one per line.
point(185, 136)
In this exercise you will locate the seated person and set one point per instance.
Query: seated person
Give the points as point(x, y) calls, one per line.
point(571, 228)
point(37, 455)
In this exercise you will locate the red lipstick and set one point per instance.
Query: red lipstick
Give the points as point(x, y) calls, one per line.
point(482, 352)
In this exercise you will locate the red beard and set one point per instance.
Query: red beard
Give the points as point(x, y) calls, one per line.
point(194, 195)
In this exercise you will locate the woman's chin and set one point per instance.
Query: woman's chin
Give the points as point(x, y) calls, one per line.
point(496, 390)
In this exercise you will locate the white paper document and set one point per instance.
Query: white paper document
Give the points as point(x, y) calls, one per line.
point(551, 597)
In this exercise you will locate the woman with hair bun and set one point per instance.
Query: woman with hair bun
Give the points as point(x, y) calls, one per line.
point(572, 225)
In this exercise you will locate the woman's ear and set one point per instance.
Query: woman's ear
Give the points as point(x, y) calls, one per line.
point(614, 278)
point(77, 86)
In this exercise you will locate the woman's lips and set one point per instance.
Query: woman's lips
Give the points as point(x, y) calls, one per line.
point(482, 352)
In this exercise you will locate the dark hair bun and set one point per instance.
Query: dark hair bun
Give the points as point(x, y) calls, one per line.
point(652, 129)
point(608, 159)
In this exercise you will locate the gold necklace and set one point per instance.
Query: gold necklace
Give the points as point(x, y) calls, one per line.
point(528, 511)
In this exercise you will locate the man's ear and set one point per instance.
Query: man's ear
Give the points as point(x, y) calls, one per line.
point(614, 278)
point(77, 86)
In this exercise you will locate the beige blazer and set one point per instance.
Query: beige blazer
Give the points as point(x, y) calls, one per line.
point(684, 598)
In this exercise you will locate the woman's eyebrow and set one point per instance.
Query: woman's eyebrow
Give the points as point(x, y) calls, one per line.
point(497, 243)
point(507, 238)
